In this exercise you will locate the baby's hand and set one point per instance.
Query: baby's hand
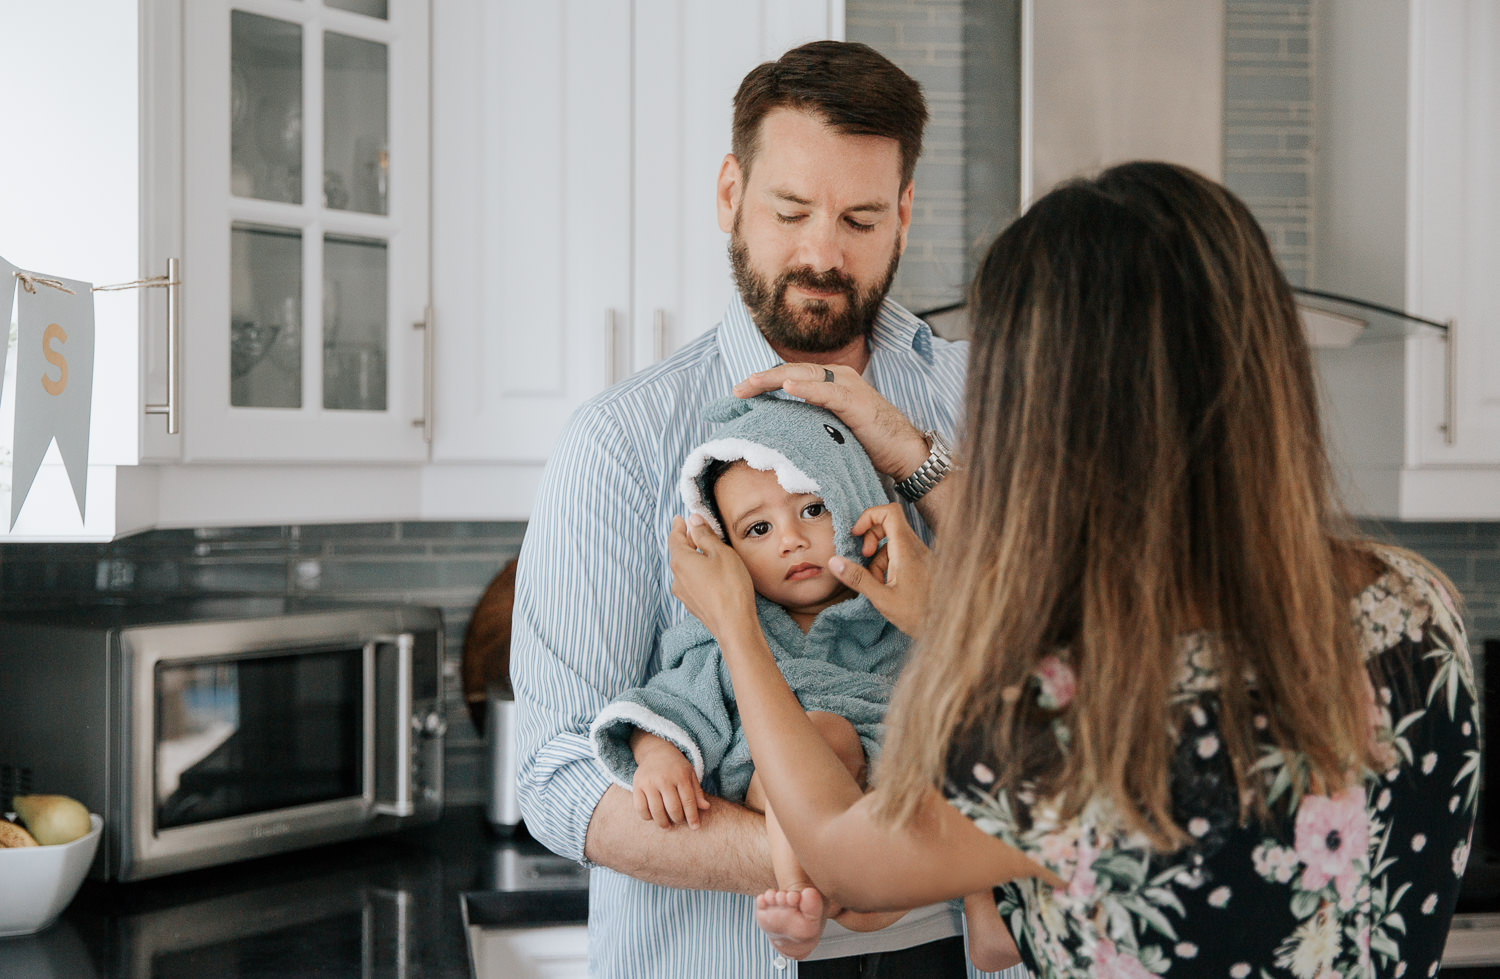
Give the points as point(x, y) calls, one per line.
point(665, 787)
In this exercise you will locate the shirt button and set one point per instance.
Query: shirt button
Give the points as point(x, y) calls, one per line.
point(779, 961)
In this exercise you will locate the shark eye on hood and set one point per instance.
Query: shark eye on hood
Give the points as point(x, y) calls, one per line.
point(834, 434)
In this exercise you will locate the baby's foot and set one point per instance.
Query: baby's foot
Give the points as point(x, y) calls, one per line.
point(793, 920)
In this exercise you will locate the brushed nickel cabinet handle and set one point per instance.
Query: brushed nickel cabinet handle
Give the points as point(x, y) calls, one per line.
point(1450, 385)
point(425, 422)
point(659, 322)
point(174, 330)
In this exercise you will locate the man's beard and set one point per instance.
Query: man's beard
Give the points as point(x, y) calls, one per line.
point(815, 327)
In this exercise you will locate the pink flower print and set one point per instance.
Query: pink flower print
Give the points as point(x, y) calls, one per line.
point(1058, 683)
point(1111, 963)
point(1332, 837)
point(1084, 879)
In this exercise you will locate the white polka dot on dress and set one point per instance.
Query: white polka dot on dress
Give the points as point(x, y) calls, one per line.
point(1239, 970)
point(1417, 842)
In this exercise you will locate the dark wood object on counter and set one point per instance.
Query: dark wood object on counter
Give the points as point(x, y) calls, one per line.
point(486, 650)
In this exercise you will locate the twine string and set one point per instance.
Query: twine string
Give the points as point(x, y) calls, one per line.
point(29, 282)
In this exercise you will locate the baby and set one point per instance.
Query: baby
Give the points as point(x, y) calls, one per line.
point(782, 482)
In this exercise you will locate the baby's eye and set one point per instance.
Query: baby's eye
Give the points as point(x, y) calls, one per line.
point(814, 510)
point(759, 529)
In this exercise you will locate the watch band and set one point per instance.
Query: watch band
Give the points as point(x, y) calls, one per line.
point(932, 470)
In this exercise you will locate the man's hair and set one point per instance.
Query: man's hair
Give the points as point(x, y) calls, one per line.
point(854, 88)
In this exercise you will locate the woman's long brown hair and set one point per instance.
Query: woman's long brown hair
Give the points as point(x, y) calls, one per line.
point(1142, 458)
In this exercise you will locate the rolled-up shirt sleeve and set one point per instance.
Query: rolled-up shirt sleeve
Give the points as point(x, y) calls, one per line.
point(586, 620)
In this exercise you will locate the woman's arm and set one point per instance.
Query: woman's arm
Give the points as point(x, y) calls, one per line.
point(830, 822)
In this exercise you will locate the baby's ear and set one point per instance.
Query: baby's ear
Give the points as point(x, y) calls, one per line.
point(726, 409)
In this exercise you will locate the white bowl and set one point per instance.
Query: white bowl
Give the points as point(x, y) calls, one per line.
point(39, 881)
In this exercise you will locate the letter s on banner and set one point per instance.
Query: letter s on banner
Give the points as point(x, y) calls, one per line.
point(55, 332)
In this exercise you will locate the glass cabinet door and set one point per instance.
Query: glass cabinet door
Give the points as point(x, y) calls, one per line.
point(308, 238)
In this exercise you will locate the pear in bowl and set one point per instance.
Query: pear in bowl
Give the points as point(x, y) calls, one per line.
point(52, 819)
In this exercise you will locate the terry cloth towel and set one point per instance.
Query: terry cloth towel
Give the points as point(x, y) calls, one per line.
point(845, 664)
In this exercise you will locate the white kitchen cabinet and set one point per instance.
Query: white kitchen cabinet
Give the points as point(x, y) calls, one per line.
point(305, 229)
point(576, 149)
point(1408, 215)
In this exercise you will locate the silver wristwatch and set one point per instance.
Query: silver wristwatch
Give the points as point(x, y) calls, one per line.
point(932, 470)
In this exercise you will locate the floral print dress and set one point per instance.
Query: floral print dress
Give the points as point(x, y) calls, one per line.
point(1360, 883)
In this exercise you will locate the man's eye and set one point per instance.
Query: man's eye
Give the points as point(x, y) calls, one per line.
point(814, 510)
point(760, 529)
point(790, 218)
point(859, 226)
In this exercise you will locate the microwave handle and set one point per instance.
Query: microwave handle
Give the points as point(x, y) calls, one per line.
point(401, 802)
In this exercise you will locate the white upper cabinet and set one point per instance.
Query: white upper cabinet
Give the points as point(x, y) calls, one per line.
point(576, 148)
point(1408, 215)
point(305, 133)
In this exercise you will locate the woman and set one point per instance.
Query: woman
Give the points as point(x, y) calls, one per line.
point(1159, 685)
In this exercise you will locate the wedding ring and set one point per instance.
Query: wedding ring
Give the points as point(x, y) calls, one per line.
point(828, 375)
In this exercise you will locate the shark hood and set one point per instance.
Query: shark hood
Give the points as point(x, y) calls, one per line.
point(808, 449)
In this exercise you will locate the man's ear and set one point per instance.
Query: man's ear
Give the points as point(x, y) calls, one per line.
point(730, 191)
point(903, 211)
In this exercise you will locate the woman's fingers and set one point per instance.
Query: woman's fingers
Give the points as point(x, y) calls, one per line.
point(896, 581)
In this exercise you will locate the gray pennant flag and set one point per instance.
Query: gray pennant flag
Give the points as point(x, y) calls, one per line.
point(54, 386)
point(8, 287)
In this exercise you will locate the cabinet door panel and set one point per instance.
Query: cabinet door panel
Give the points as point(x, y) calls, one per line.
point(531, 258)
point(306, 238)
point(1454, 221)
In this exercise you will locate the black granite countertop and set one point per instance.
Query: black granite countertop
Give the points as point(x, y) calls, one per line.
point(390, 906)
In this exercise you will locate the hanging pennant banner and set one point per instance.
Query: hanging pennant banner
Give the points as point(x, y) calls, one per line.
point(54, 386)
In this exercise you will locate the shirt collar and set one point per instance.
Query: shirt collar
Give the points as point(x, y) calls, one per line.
point(746, 351)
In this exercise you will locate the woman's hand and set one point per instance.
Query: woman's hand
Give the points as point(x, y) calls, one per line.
point(709, 578)
point(893, 443)
point(900, 593)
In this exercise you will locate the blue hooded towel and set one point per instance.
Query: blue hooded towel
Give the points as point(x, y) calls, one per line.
point(845, 664)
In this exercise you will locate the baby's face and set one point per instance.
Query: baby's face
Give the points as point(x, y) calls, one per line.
point(785, 539)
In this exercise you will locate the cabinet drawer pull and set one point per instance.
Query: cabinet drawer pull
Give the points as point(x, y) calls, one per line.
point(425, 422)
point(1450, 385)
point(170, 408)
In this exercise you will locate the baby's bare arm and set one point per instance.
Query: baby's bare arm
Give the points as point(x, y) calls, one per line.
point(665, 786)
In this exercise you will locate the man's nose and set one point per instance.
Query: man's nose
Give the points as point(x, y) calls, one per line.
point(820, 249)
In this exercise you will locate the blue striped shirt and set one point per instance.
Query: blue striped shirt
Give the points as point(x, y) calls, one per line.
point(593, 598)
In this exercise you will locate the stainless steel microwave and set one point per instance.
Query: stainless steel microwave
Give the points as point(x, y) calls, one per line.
point(214, 730)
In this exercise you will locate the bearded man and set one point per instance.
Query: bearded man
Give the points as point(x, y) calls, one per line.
point(817, 197)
